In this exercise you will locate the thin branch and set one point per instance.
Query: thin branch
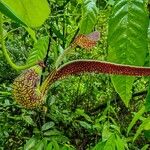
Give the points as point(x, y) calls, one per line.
point(5, 51)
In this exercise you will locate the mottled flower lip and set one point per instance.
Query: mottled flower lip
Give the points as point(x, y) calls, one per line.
point(94, 36)
point(87, 41)
point(24, 89)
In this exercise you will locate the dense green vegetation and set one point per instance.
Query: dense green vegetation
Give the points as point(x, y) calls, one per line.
point(88, 111)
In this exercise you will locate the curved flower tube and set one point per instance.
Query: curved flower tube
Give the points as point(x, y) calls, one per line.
point(28, 92)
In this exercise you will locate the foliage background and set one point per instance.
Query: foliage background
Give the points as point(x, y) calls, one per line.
point(81, 112)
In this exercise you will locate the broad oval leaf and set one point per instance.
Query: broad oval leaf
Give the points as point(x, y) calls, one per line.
point(47, 126)
point(30, 144)
point(85, 125)
point(89, 16)
point(52, 133)
point(27, 12)
point(127, 38)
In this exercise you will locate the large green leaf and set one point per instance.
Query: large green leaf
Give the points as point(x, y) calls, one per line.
point(89, 15)
point(39, 51)
point(27, 12)
point(127, 40)
point(5, 10)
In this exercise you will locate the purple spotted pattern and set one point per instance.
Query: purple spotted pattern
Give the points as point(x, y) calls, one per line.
point(81, 66)
point(24, 89)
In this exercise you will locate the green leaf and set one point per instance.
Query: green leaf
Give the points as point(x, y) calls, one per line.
point(39, 50)
point(5, 10)
point(145, 147)
point(57, 32)
point(29, 120)
point(147, 99)
point(53, 146)
point(41, 144)
point(56, 146)
point(49, 146)
point(27, 12)
point(31, 33)
point(85, 125)
point(147, 134)
point(147, 103)
point(110, 2)
point(127, 39)
point(47, 126)
point(144, 126)
point(30, 144)
point(82, 113)
point(110, 144)
point(119, 143)
point(106, 133)
point(52, 132)
point(89, 16)
point(136, 117)
point(99, 145)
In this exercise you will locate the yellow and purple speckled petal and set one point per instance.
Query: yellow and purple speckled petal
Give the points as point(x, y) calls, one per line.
point(24, 91)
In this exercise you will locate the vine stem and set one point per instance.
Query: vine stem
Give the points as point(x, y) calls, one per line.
point(65, 53)
point(5, 51)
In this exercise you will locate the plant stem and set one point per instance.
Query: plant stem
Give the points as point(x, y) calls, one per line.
point(65, 52)
point(5, 51)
